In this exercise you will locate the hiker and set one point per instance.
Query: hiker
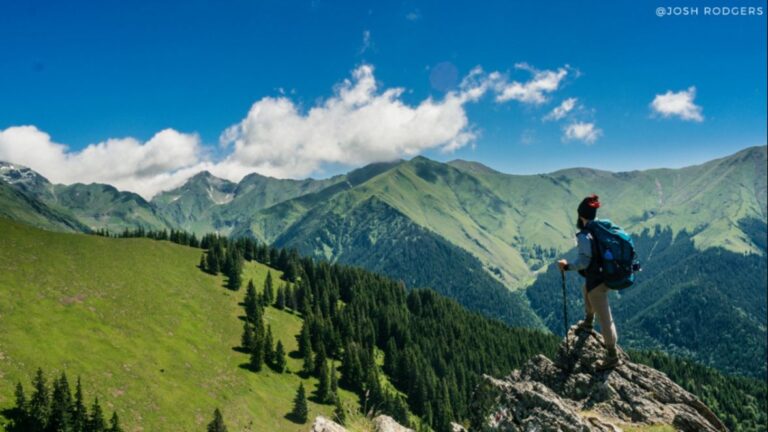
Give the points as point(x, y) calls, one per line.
point(595, 290)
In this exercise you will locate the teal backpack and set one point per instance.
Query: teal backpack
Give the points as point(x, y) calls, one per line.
point(616, 253)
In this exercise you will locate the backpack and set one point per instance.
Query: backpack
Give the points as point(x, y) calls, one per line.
point(616, 253)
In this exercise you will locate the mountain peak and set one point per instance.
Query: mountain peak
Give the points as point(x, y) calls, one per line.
point(570, 395)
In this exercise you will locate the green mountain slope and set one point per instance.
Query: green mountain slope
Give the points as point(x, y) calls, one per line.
point(150, 334)
point(94, 205)
point(206, 203)
point(17, 205)
point(377, 237)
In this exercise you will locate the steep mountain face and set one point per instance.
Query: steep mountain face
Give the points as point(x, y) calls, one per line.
point(95, 205)
point(206, 203)
point(378, 237)
point(570, 395)
point(17, 205)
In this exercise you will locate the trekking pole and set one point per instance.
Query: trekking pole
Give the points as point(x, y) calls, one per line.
point(565, 311)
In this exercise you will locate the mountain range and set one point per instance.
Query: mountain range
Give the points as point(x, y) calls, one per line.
point(478, 235)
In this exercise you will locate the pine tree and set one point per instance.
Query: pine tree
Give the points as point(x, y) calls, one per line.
point(217, 424)
point(269, 345)
point(96, 421)
point(300, 409)
point(308, 366)
point(280, 361)
point(290, 298)
point(280, 301)
point(114, 423)
point(252, 306)
point(203, 264)
point(339, 413)
point(39, 403)
point(321, 362)
point(246, 341)
point(269, 289)
point(305, 341)
point(334, 381)
point(61, 405)
point(323, 392)
point(257, 355)
point(21, 408)
point(212, 262)
point(234, 269)
point(79, 412)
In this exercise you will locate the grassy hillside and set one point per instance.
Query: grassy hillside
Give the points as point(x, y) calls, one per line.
point(150, 334)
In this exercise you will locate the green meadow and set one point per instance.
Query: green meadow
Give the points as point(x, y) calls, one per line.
point(149, 333)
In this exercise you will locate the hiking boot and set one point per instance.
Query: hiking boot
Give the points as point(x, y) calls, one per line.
point(584, 326)
point(610, 361)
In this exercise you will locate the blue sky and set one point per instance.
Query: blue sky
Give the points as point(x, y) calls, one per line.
point(87, 72)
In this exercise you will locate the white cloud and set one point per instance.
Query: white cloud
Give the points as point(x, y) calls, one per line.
point(561, 110)
point(679, 104)
point(359, 123)
point(125, 163)
point(582, 131)
point(533, 91)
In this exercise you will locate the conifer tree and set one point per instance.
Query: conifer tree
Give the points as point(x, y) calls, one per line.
point(96, 421)
point(39, 403)
point(269, 347)
point(79, 412)
point(339, 413)
point(257, 355)
point(305, 341)
point(280, 301)
point(246, 340)
point(269, 289)
point(300, 409)
point(308, 366)
point(21, 407)
point(280, 361)
point(234, 269)
point(334, 381)
point(212, 263)
point(217, 424)
point(320, 362)
point(61, 405)
point(114, 423)
point(323, 392)
point(203, 264)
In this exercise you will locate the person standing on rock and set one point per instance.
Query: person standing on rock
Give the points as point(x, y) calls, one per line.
point(595, 290)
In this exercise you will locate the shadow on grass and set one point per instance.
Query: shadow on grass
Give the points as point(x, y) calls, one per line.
point(292, 417)
point(241, 350)
point(294, 354)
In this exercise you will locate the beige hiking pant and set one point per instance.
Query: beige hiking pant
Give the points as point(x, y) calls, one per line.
point(596, 302)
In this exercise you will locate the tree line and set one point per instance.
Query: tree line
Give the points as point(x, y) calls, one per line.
point(53, 408)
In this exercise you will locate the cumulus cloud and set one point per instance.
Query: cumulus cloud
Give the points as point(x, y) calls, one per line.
point(561, 110)
point(534, 90)
point(582, 131)
point(678, 104)
point(359, 123)
point(159, 163)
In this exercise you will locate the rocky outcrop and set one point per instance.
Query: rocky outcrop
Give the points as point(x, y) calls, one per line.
point(322, 424)
point(384, 423)
point(381, 423)
point(570, 395)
